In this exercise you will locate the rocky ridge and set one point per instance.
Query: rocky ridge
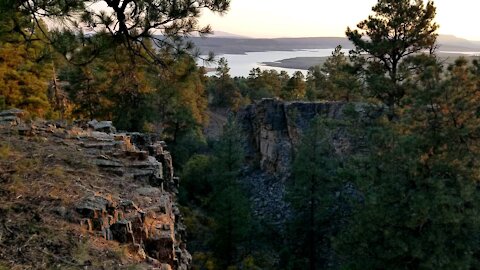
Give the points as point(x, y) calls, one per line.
point(143, 214)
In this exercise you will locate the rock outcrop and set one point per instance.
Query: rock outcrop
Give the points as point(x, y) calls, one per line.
point(273, 130)
point(145, 216)
point(11, 117)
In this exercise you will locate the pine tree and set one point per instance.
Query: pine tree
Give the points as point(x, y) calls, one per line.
point(396, 30)
point(224, 91)
point(137, 95)
point(130, 24)
point(420, 179)
point(25, 67)
point(180, 98)
point(266, 83)
point(311, 195)
point(335, 79)
point(296, 88)
point(230, 205)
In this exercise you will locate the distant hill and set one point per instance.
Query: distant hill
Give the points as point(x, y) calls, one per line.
point(304, 63)
point(221, 34)
point(227, 43)
point(453, 43)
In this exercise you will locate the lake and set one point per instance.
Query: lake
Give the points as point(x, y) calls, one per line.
point(241, 64)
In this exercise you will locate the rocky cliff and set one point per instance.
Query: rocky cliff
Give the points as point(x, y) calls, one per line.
point(273, 130)
point(92, 187)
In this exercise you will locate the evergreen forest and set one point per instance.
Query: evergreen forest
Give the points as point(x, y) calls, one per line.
point(405, 199)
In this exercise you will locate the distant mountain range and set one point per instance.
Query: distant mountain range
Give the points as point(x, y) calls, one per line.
point(222, 34)
point(453, 43)
point(223, 45)
point(227, 43)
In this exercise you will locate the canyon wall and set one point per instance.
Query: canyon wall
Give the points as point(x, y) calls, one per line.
point(273, 130)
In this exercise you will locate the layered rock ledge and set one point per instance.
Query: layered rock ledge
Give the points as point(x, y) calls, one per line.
point(144, 215)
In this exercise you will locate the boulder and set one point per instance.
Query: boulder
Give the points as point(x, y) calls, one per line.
point(102, 126)
point(105, 126)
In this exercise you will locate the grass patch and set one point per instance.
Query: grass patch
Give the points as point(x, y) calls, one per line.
point(25, 171)
point(28, 165)
point(5, 152)
point(81, 251)
point(57, 172)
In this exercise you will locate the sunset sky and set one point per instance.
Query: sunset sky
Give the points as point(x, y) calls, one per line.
point(306, 18)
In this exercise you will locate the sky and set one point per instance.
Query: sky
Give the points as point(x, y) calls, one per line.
point(313, 18)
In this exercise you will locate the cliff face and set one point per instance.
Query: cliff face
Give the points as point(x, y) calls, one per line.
point(273, 131)
point(123, 192)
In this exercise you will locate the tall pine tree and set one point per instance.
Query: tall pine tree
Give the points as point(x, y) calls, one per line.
point(396, 30)
point(230, 206)
point(311, 195)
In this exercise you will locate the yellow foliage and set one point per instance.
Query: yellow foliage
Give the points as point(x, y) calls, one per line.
point(24, 81)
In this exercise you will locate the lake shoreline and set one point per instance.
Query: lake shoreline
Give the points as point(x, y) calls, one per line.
point(305, 63)
point(301, 63)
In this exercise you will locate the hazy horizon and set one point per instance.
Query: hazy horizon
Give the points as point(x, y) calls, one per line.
point(222, 32)
point(312, 18)
point(226, 34)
